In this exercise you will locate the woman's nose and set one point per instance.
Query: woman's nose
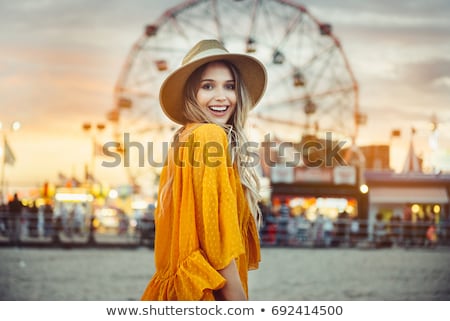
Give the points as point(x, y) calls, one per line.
point(220, 94)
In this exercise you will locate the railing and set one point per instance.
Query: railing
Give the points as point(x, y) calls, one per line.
point(287, 232)
point(354, 233)
point(41, 229)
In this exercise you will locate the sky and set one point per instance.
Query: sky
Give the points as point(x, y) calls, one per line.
point(61, 59)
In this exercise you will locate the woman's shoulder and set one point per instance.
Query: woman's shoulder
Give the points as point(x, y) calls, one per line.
point(209, 132)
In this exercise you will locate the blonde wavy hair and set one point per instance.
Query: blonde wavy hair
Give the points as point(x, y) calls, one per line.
point(235, 129)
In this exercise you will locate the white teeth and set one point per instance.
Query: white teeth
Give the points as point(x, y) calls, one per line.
point(218, 108)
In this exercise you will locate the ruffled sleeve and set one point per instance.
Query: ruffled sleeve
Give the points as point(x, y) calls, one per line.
point(218, 224)
point(194, 280)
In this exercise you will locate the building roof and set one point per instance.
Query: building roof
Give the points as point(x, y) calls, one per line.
point(409, 177)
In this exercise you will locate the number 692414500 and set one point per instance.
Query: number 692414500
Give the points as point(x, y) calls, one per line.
point(307, 310)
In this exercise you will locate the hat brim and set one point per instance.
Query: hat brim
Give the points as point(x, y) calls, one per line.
point(171, 95)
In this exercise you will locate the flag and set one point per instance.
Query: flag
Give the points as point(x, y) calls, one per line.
point(9, 157)
point(412, 162)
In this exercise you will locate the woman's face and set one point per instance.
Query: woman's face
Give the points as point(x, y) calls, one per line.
point(216, 92)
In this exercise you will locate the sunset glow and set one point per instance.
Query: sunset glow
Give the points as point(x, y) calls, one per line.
point(61, 61)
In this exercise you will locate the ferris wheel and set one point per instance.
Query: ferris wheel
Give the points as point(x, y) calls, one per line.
point(311, 88)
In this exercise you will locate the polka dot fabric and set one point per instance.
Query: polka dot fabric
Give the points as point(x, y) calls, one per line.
point(203, 221)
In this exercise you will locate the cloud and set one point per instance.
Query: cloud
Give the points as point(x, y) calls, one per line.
point(429, 81)
point(400, 24)
point(426, 72)
point(441, 83)
point(381, 10)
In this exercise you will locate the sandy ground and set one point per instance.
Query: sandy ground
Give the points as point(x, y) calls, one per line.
point(284, 274)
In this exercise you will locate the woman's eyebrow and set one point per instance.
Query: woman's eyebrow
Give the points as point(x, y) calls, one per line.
point(207, 79)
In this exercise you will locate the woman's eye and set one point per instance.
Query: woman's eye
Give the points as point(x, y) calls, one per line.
point(207, 86)
point(230, 86)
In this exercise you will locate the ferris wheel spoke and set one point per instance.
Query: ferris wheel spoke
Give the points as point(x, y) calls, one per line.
point(178, 28)
point(320, 72)
point(195, 21)
point(230, 26)
point(282, 81)
point(267, 18)
point(313, 96)
point(250, 38)
point(190, 26)
point(312, 60)
point(329, 108)
point(289, 28)
point(332, 92)
point(280, 121)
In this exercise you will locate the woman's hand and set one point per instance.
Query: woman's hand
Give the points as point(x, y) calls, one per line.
point(232, 290)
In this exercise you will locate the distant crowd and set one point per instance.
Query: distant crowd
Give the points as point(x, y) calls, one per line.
point(280, 227)
point(64, 223)
point(17, 220)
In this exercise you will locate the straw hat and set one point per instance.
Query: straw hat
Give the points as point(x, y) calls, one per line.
point(171, 95)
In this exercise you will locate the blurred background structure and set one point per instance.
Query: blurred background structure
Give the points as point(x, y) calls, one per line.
point(354, 126)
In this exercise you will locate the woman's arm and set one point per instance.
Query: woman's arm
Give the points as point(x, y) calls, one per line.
point(232, 291)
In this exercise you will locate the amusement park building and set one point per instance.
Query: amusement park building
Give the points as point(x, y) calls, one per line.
point(392, 193)
point(365, 192)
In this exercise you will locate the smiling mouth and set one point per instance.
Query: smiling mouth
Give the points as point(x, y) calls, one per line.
point(218, 109)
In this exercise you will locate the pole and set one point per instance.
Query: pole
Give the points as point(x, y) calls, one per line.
point(94, 143)
point(15, 126)
point(87, 128)
point(3, 170)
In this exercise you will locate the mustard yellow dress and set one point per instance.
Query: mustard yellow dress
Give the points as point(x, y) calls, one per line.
point(202, 220)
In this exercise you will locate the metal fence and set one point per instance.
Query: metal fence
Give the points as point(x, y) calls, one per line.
point(354, 233)
point(30, 228)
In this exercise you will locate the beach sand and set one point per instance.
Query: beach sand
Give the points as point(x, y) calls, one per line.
point(284, 274)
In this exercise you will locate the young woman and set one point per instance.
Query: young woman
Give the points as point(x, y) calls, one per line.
point(207, 213)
